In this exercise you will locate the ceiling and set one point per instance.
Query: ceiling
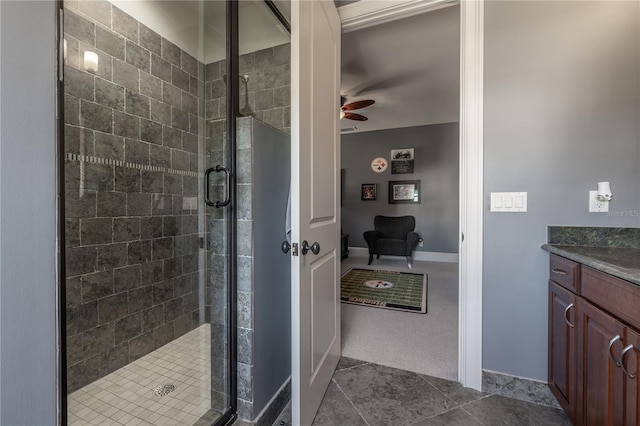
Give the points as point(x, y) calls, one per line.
point(410, 67)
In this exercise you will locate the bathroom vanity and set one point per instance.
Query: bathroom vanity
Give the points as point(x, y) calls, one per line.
point(594, 327)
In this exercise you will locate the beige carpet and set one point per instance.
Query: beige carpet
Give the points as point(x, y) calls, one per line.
point(426, 344)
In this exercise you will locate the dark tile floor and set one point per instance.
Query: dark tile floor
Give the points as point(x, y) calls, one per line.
point(368, 394)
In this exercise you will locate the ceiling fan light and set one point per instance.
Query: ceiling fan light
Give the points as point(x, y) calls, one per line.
point(341, 114)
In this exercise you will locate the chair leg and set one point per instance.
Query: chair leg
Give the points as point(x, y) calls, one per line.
point(370, 259)
point(409, 262)
point(377, 256)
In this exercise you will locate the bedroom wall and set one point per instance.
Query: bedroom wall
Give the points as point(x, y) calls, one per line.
point(436, 166)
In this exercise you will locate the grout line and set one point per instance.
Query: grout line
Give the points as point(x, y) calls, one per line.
point(354, 366)
point(350, 402)
point(461, 407)
point(472, 416)
point(423, 377)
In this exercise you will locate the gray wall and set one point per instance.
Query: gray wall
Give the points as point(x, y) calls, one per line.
point(272, 268)
point(561, 114)
point(264, 283)
point(28, 214)
point(436, 166)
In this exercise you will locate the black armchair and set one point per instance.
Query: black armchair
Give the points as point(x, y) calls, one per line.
point(392, 236)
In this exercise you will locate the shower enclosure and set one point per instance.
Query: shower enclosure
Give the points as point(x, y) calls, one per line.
point(150, 214)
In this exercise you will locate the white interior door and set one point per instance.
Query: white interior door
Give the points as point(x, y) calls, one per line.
point(315, 210)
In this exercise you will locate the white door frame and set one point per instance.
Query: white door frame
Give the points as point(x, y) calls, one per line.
point(364, 14)
point(471, 193)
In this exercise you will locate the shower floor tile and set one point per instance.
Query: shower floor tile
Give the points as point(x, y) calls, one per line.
point(126, 396)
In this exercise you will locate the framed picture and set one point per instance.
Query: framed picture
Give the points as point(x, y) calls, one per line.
point(402, 154)
point(404, 192)
point(402, 161)
point(368, 192)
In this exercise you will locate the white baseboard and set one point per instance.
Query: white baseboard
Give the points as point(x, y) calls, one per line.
point(429, 256)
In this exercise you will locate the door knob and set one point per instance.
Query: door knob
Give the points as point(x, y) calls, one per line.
point(285, 246)
point(315, 247)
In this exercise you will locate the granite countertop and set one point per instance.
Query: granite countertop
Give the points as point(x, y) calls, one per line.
point(621, 262)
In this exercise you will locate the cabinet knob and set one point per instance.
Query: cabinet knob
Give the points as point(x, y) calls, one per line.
point(613, 340)
point(624, 368)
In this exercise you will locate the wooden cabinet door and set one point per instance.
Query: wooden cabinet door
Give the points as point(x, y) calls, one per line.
point(631, 363)
point(562, 347)
point(600, 381)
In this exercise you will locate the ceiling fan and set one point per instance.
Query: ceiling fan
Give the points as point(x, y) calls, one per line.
point(346, 108)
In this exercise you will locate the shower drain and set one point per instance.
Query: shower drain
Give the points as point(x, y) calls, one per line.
point(163, 390)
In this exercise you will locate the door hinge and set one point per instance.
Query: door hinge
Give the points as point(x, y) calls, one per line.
point(294, 249)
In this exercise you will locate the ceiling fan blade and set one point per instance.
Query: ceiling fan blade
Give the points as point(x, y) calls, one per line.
point(358, 104)
point(354, 116)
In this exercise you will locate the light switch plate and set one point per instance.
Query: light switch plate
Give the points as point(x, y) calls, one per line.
point(509, 202)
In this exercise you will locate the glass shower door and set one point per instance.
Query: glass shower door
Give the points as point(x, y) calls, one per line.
point(145, 302)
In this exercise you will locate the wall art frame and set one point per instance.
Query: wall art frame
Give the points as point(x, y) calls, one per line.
point(404, 192)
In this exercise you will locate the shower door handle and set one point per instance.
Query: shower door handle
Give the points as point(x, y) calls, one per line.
point(207, 174)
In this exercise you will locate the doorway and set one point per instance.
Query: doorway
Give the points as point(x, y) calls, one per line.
point(423, 343)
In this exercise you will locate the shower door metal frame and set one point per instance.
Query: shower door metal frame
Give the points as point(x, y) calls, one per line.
point(233, 96)
point(62, 273)
point(233, 108)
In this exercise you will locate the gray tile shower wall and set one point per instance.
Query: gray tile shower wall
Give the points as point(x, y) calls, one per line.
point(264, 95)
point(133, 259)
point(265, 87)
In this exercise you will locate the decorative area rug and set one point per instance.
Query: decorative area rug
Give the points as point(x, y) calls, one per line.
point(402, 291)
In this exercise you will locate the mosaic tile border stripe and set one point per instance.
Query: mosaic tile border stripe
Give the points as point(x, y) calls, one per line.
point(120, 163)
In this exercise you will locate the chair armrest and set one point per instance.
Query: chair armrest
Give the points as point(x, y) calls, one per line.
point(412, 240)
point(370, 237)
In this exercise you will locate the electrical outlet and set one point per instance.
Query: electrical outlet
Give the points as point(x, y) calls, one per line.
point(596, 205)
point(420, 242)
